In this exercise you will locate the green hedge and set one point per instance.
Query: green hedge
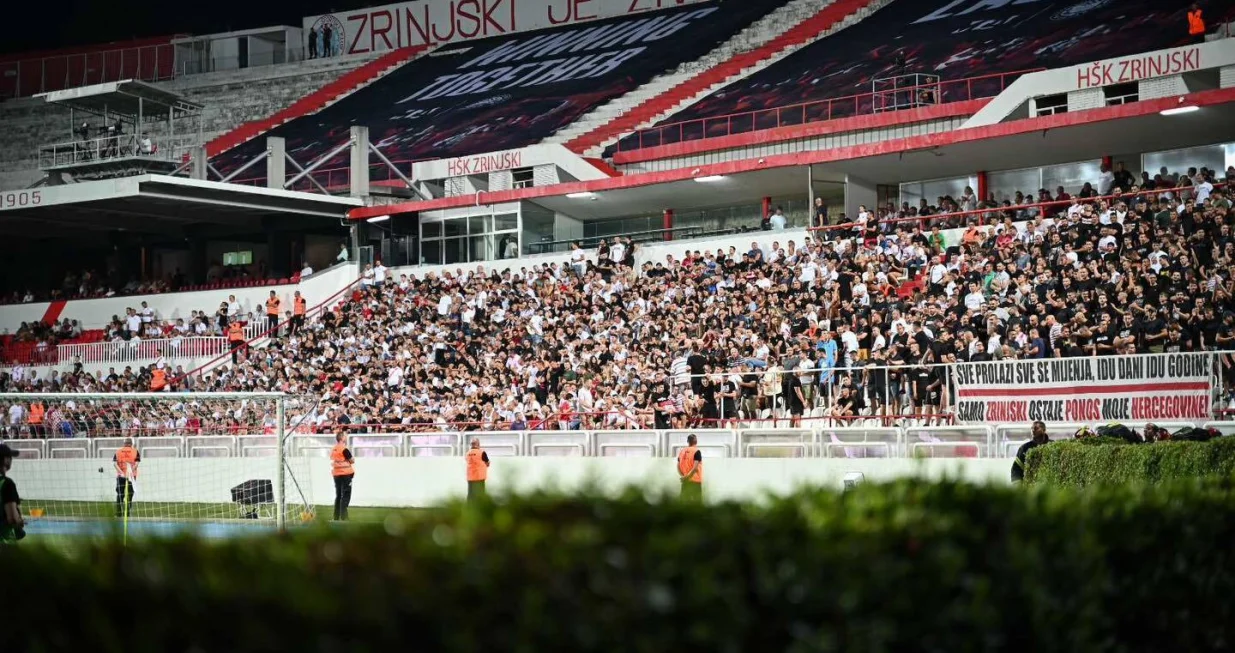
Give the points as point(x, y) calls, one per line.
point(1107, 460)
point(911, 566)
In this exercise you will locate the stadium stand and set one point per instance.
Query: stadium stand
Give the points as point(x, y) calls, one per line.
point(983, 39)
point(511, 91)
point(772, 37)
point(855, 320)
point(231, 99)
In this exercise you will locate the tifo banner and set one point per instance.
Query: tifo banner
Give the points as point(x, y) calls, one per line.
point(955, 39)
point(1155, 387)
point(431, 22)
point(508, 92)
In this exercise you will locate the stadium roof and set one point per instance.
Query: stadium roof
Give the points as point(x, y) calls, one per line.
point(161, 205)
point(128, 97)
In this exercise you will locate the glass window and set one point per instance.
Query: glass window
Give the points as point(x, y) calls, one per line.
point(431, 229)
point(455, 250)
point(431, 252)
point(456, 227)
point(505, 222)
point(478, 225)
point(481, 248)
point(1005, 184)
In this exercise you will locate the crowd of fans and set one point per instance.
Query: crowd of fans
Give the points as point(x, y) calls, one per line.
point(850, 323)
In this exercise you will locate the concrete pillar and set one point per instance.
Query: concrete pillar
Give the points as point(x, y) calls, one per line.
point(276, 162)
point(360, 162)
point(198, 169)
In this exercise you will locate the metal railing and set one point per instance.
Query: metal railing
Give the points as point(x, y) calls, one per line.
point(969, 441)
point(127, 351)
point(956, 90)
point(110, 148)
point(590, 242)
point(28, 77)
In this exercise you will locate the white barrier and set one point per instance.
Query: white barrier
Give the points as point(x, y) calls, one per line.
point(422, 482)
point(142, 350)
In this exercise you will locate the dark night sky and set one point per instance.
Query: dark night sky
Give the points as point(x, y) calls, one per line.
point(85, 22)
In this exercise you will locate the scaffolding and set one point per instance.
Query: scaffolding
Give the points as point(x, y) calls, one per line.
point(143, 129)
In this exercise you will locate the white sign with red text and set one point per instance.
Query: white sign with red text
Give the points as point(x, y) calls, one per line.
point(1147, 388)
point(525, 157)
point(433, 22)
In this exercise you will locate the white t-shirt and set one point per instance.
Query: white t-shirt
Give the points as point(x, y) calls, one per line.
point(133, 322)
point(379, 273)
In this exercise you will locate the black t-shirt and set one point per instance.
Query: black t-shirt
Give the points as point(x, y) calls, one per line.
point(8, 494)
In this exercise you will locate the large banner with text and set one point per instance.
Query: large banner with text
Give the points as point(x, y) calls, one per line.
point(508, 92)
point(1155, 387)
point(433, 22)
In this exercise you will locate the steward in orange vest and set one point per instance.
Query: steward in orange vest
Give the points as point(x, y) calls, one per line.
point(158, 379)
point(690, 469)
point(477, 471)
point(35, 419)
point(235, 339)
point(1196, 24)
point(125, 459)
point(298, 311)
point(272, 314)
point(343, 472)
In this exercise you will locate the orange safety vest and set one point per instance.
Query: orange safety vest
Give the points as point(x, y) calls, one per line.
point(298, 309)
point(339, 464)
point(158, 379)
point(477, 470)
point(36, 413)
point(686, 460)
point(1196, 25)
point(272, 306)
point(126, 460)
point(235, 332)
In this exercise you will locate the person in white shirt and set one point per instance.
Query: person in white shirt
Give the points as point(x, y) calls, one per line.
point(778, 220)
point(133, 323)
point(147, 315)
point(344, 254)
point(306, 271)
point(578, 259)
point(1106, 180)
point(617, 251)
point(379, 274)
point(233, 309)
point(1203, 190)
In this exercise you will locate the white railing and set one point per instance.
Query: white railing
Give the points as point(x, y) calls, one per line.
point(138, 349)
point(822, 442)
point(142, 350)
point(106, 148)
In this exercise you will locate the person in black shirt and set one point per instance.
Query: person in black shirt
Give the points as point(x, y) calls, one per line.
point(12, 526)
point(1038, 438)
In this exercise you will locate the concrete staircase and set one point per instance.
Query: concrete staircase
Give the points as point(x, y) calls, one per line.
point(768, 40)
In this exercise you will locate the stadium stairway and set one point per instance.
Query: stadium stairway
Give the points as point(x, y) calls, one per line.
point(323, 97)
point(768, 40)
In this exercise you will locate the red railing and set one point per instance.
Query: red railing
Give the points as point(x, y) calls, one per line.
point(997, 213)
point(23, 77)
point(884, 100)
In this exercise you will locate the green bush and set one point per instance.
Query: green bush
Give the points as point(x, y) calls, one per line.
point(1090, 462)
point(910, 566)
